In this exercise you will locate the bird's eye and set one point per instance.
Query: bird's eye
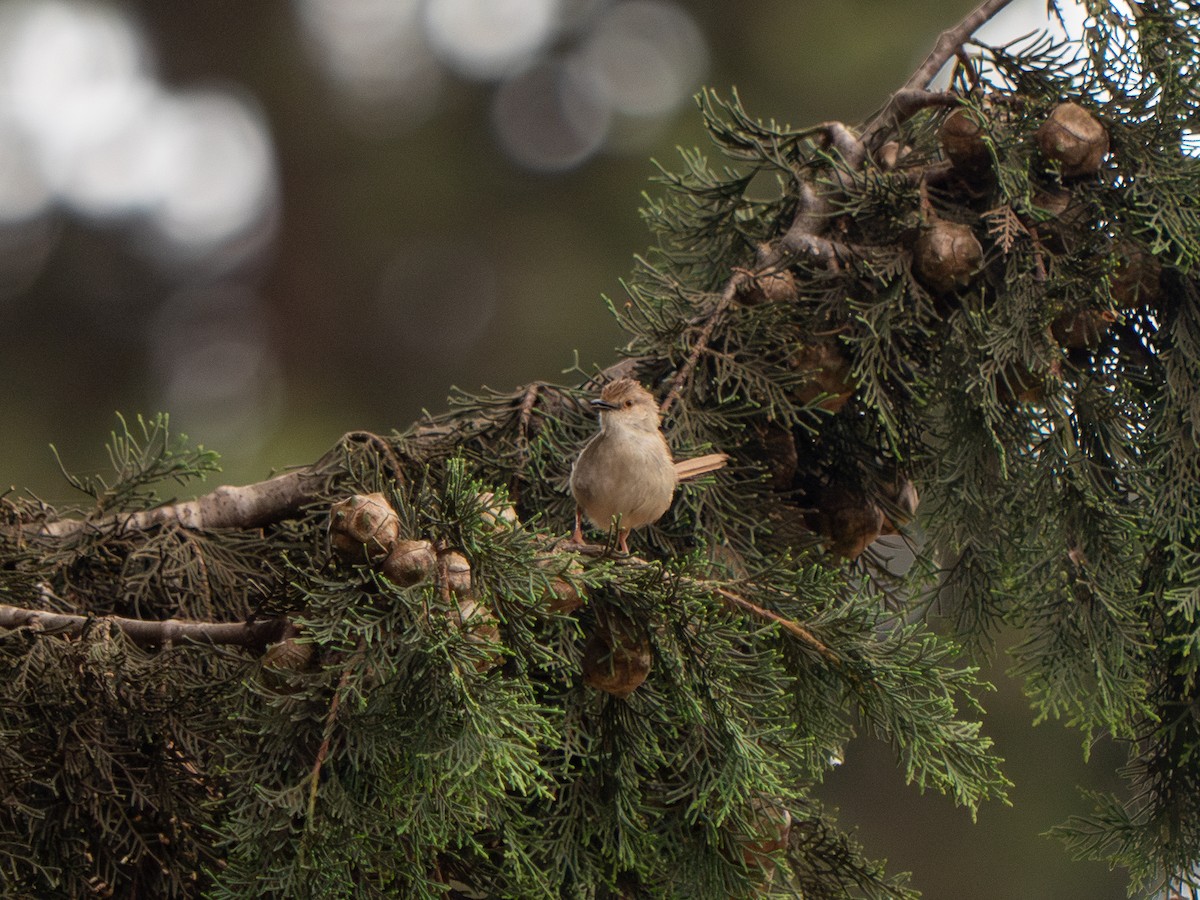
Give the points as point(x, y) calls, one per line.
point(629, 403)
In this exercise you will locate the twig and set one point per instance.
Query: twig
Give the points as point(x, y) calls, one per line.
point(327, 738)
point(685, 371)
point(801, 238)
point(382, 447)
point(525, 414)
point(793, 628)
point(948, 44)
point(251, 635)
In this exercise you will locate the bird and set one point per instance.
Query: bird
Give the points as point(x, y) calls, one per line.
point(625, 474)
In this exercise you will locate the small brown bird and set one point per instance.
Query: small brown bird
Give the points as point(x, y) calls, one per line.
point(625, 473)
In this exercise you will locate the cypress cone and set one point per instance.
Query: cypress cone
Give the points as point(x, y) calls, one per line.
point(1075, 139)
point(962, 140)
point(946, 256)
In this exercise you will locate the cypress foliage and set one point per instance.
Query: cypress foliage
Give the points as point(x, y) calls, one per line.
point(386, 674)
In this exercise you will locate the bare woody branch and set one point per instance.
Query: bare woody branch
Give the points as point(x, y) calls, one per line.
point(907, 100)
point(246, 506)
point(250, 635)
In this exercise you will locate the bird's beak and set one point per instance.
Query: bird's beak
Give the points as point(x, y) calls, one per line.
point(602, 404)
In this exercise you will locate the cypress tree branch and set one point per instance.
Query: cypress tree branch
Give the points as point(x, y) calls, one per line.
point(802, 238)
point(250, 635)
point(247, 506)
point(729, 597)
point(793, 628)
point(1061, 485)
point(710, 323)
point(327, 734)
point(911, 96)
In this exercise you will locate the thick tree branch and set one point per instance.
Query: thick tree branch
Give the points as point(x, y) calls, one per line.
point(244, 506)
point(247, 506)
point(250, 635)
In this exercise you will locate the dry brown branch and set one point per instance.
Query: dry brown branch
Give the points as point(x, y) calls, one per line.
point(710, 323)
point(728, 596)
point(793, 628)
point(382, 447)
point(327, 738)
point(802, 238)
point(525, 415)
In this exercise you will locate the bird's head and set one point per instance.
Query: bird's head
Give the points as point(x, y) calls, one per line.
point(626, 403)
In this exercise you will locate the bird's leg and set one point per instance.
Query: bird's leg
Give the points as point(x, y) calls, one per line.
point(577, 537)
point(623, 540)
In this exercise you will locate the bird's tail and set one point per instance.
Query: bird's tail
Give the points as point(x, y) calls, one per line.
point(699, 465)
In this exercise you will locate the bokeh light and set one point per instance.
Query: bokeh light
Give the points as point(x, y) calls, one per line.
point(487, 38)
point(573, 78)
point(24, 194)
point(211, 169)
point(553, 116)
point(375, 54)
point(636, 64)
point(649, 55)
point(85, 125)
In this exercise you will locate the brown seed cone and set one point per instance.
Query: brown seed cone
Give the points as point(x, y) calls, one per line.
point(1075, 138)
point(499, 518)
point(779, 451)
point(1058, 234)
point(828, 373)
point(458, 572)
point(1082, 329)
point(771, 825)
point(962, 140)
point(848, 520)
point(363, 527)
point(776, 286)
point(1137, 278)
point(476, 620)
point(617, 663)
point(409, 563)
point(562, 597)
point(289, 655)
point(946, 256)
point(1018, 384)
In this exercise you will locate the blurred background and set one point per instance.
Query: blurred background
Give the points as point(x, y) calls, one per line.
point(280, 221)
